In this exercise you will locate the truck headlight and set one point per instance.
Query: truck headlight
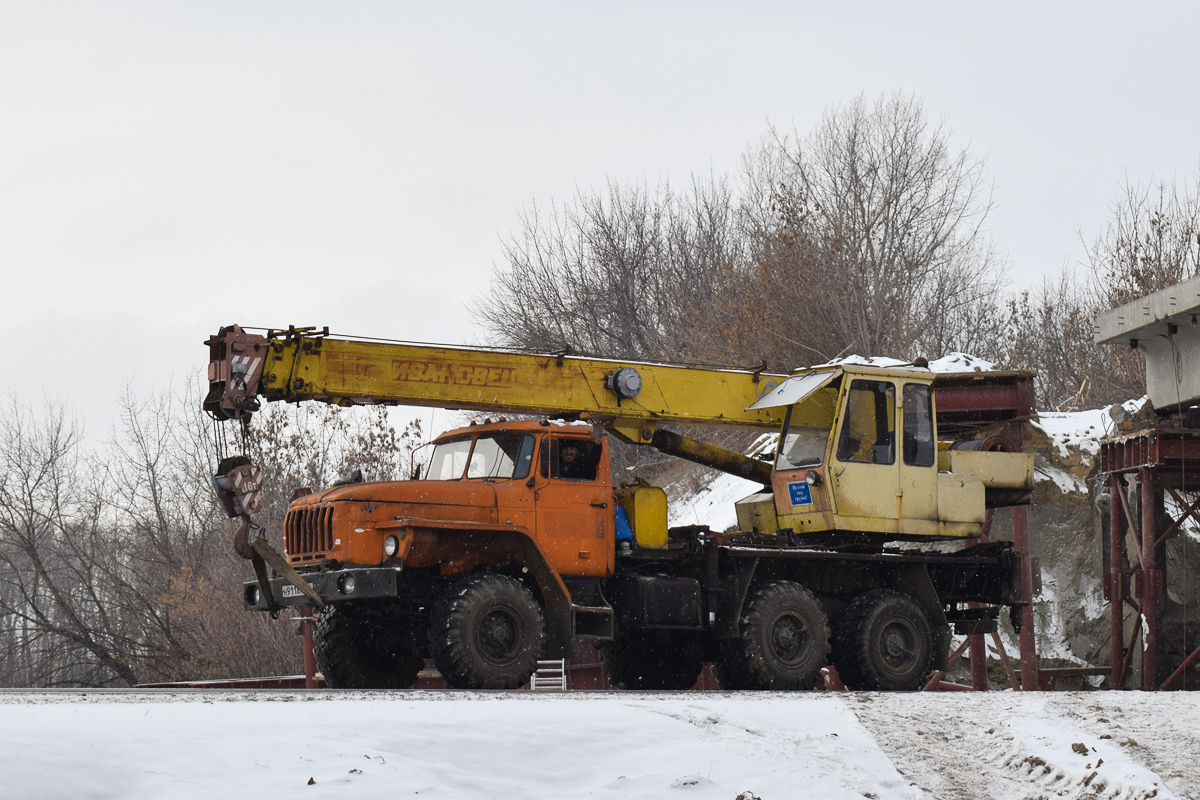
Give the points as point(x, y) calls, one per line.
point(252, 594)
point(346, 584)
point(390, 545)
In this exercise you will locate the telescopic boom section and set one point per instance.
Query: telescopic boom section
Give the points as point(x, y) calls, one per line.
point(630, 398)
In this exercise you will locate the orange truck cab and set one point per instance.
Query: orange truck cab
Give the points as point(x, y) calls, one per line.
point(547, 482)
point(532, 501)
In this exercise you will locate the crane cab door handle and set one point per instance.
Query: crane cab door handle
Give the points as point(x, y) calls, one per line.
point(599, 505)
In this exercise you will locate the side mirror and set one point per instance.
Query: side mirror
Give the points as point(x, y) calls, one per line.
point(531, 482)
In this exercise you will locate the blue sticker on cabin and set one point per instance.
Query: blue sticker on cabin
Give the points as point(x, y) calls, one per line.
point(800, 494)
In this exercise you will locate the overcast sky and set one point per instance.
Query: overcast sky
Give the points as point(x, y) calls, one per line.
point(168, 168)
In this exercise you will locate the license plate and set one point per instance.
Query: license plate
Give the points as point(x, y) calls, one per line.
point(291, 591)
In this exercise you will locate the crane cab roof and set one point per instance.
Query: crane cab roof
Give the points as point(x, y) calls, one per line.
point(803, 383)
point(578, 428)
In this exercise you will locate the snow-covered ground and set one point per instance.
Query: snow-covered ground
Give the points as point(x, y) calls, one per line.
point(519, 745)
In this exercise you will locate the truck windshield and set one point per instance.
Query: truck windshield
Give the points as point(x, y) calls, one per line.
point(448, 460)
point(501, 455)
point(801, 446)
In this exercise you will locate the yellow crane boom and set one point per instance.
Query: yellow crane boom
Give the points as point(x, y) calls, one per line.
point(306, 364)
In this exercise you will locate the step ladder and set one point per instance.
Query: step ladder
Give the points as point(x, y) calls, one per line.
point(550, 676)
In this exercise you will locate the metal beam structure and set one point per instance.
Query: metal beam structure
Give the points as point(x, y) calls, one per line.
point(1000, 403)
point(1143, 468)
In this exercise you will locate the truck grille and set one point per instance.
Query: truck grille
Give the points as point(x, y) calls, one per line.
point(308, 532)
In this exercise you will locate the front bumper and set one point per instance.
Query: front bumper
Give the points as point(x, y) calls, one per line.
point(356, 583)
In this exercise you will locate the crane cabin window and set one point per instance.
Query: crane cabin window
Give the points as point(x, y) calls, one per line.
point(920, 447)
point(448, 460)
point(501, 455)
point(869, 425)
point(801, 445)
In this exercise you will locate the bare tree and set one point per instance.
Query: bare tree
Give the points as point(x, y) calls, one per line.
point(868, 237)
point(1049, 330)
point(611, 273)
point(312, 445)
point(115, 563)
point(1151, 241)
point(59, 577)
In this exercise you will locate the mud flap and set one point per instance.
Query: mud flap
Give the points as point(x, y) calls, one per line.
point(734, 586)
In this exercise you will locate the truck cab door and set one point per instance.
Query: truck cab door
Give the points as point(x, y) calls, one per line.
point(504, 460)
point(864, 473)
point(573, 499)
point(918, 461)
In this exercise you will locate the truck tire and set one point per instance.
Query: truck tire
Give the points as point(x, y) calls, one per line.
point(487, 632)
point(883, 641)
point(783, 641)
point(655, 661)
point(359, 648)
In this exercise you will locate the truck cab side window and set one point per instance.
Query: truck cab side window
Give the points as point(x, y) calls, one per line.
point(869, 425)
point(578, 459)
point(920, 449)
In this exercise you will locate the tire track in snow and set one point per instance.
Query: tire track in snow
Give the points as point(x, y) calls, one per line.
point(1004, 746)
point(1160, 730)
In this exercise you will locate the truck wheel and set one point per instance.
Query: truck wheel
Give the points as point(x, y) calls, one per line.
point(486, 633)
point(360, 648)
point(651, 661)
point(884, 641)
point(784, 640)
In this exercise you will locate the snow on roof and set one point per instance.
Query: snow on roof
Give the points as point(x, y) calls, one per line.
point(951, 362)
point(960, 362)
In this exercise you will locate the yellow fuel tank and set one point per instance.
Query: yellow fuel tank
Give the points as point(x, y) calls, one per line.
point(647, 510)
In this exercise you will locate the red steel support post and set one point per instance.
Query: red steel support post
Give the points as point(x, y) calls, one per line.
point(979, 680)
point(1116, 575)
point(1020, 525)
point(306, 633)
point(1148, 585)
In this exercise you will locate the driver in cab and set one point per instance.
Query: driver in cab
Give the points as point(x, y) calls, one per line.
point(574, 463)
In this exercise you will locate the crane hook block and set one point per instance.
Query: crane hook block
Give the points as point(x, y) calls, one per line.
point(238, 484)
point(235, 367)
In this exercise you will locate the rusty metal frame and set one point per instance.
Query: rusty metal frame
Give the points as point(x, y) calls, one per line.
point(977, 643)
point(1157, 458)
